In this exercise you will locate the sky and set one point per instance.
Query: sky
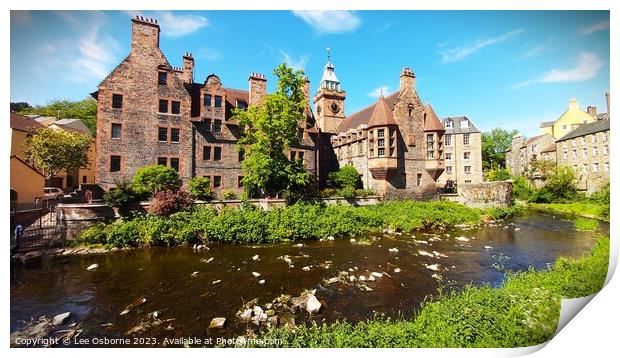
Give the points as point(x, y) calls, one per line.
point(509, 69)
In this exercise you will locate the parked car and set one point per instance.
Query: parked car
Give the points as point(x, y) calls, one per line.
point(52, 193)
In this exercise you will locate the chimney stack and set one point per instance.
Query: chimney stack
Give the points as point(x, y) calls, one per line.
point(188, 68)
point(592, 111)
point(144, 34)
point(607, 100)
point(407, 79)
point(258, 89)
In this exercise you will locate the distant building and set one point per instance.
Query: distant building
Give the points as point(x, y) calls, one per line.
point(569, 120)
point(523, 151)
point(463, 151)
point(26, 182)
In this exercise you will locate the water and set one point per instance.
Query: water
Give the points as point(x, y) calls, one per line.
point(164, 277)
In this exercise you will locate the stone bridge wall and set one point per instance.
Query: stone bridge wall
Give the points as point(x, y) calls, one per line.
point(487, 194)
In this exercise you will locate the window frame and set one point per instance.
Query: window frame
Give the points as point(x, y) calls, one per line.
point(120, 163)
point(162, 80)
point(114, 101)
point(159, 134)
point(120, 131)
point(161, 102)
point(178, 135)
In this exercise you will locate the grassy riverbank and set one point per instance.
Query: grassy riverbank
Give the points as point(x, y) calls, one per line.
point(295, 222)
point(581, 208)
point(524, 311)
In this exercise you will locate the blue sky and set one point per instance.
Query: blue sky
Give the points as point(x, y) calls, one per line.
point(510, 69)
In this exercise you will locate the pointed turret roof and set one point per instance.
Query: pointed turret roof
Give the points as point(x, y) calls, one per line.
point(381, 114)
point(431, 123)
point(329, 79)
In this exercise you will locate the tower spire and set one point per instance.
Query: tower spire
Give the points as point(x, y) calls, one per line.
point(329, 79)
point(328, 54)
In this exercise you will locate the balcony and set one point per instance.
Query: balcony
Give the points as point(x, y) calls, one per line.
point(382, 168)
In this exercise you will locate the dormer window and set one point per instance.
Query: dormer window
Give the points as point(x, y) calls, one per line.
point(162, 78)
point(464, 123)
point(449, 124)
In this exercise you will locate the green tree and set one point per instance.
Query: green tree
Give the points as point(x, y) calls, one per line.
point(498, 175)
point(346, 176)
point(151, 179)
point(86, 110)
point(19, 106)
point(52, 151)
point(494, 146)
point(200, 188)
point(270, 130)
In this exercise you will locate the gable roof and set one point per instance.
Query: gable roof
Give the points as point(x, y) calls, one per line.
point(456, 125)
point(587, 128)
point(24, 124)
point(381, 114)
point(73, 123)
point(431, 122)
point(363, 116)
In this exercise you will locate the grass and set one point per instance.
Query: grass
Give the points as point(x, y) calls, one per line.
point(295, 222)
point(585, 224)
point(585, 209)
point(524, 311)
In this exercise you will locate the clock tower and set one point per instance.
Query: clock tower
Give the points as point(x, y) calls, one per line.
point(329, 100)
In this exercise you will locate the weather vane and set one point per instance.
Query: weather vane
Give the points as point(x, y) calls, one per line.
point(328, 54)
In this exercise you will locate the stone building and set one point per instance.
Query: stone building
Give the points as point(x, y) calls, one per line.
point(569, 120)
point(586, 149)
point(523, 151)
point(150, 112)
point(463, 152)
point(396, 143)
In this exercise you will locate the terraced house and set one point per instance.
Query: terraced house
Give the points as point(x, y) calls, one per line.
point(152, 113)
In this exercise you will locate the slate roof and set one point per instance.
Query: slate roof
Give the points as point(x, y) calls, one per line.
point(456, 125)
point(587, 128)
point(23, 123)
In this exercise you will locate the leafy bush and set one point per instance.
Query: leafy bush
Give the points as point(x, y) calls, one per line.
point(521, 188)
point(498, 175)
point(168, 202)
point(120, 197)
point(200, 188)
point(348, 192)
point(229, 195)
point(328, 192)
point(559, 187)
point(153, 178)
point(362, 193)
point(346, 176)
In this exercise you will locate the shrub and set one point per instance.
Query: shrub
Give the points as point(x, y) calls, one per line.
point(200, 188)
point(362, 193)
point(498, 175)
point(521, 188)
point(348, 192)
point(560, 187)
point(168, 202)
point(346, 176)
point(153, 178)
point(328, 192)
point(229, 195)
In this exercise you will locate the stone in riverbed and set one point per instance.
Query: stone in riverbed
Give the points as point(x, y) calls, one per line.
point(257, 310)
point(61, 319)
point(330, 238)
point(397, 270)
point(306, 268)
point(261, 282)
point(376, 274)
point(256, 274)
point(246, 315)
point(273, 320)
point(217, 322)
point(352, 278)
point(195, 273)
point(92, 267)
point(393, 250)
point(313, 305)
point(488, 247)
point(371, 278)
point(333, 280)
point(362, 278)
point(433, 267)
point(255, 257)
point(216, 282)
point(270, 313)
point(353, 240)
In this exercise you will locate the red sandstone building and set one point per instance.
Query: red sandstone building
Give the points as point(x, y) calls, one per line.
point(152, 113)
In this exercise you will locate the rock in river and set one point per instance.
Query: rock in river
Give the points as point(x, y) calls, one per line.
point(92, 267)
point(255, 274)
point(313, 305)
point(255, 257)
point(61, 319)
point(217, 322)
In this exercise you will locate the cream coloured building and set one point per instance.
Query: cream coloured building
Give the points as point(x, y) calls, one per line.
point(569, 120)
point(463, 151)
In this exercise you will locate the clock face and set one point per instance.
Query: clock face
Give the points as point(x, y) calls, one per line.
point(334, 107)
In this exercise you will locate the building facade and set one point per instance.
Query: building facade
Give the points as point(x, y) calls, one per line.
point(26, 182)
point(523, 151)
point(463, 152)
point(569, 120)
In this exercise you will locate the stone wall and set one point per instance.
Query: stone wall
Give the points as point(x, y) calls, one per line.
point(487, 194)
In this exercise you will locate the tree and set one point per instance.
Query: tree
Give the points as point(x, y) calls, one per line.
point(270, 130)
point(86, 110)
point(200, 188)
point(345, 177)
point(151, 179)
point(494, 146)
point(52, 151)
point(542, 169)
point(19, 106)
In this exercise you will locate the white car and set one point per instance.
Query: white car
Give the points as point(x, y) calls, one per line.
point(52, 193)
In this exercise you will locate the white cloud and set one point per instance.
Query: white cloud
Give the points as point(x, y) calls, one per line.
point(325, 21)
point(174, 24)
point(587, 66)
point(534, 51)
point(461, 52)
point(297, 64)
point(599, 26)
point(378, 91)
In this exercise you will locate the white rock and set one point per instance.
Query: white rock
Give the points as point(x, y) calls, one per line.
point(216, 282)
point(424, 242)
point(313, 305)
point(439, 254)
point(299, 245)
point(371, 278)
point(434, 267)
point(330, 238)
point(488, 247)
point(352, 278)
point(287, 260)
point(425, 253)
point(350, 269)
point(217, 322)
point(376, 274)
point(362, 278)
point(195, 273)
point(393, 249)
point(61, 318)
point(263, 317)
point(261, 282)
point(397, 270)
point(246, 315)
point(255, 274)
point(207, 261)
point(517, 229)
point(92, 267)
point(436, 276)
point(461, 238)
point(333, 280)
point(306, 268)
point(353, 240)
point(255, 257)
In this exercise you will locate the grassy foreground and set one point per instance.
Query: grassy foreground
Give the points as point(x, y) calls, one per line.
point(586, 209)
point(295, 222)
point(524, 311)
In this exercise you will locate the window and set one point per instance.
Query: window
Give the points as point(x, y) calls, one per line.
point(371, 147)
point(207, 125)
point(381, 152)
point(448, 139)
point(564, 145)
point(381, 133)
point(163, 106)
point(448, 125)
point(583, 140)
point(430, 154)
point(207, 100)
point(294, 155)
point(84, 179)
point(241, 155)
point(242, 104)
point(563, 126)
point(594, 138)
point(429, 137)
point(605, 137)
point(594, 151)
point(162, 78)
point(606, 166)
point(467, 181)
point(163, 134)
point(360, 147)
point(174, 135)
point(116, 131)
point(448, 169)
point(240, 181)
point(565, 154)
point(176, 107)
point(174, 163)
point(467, 169)
point(115, 163)
point(585, 168)
point(574, 142)
point(217, 153)
point(448, 156)
point(466, 139)
point(419, 179)
point(206, 152)
point(466, 155)
point(300, 155)
point(584, 152)
point(217, 181)
point(217, 126)
point(595, 167)
point(162, 161)
point(606, 149)
point(464, 123)
point(117, 101)
point(218, 101)
point(574, 154)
